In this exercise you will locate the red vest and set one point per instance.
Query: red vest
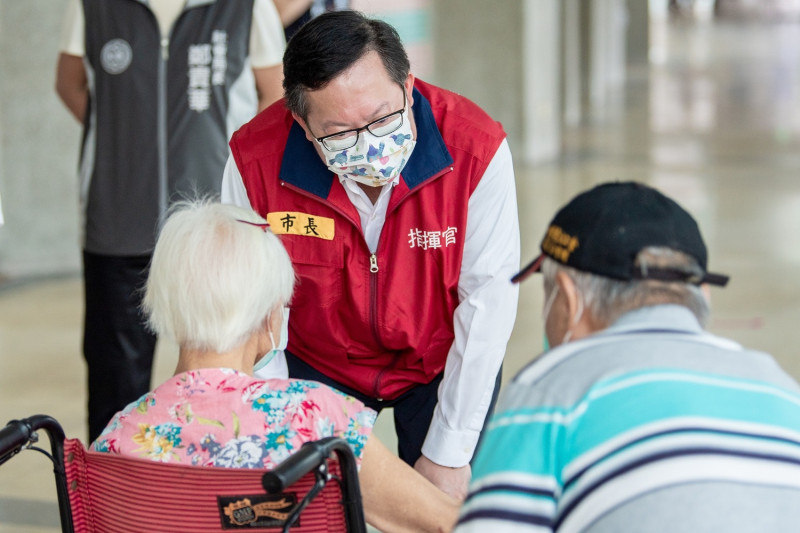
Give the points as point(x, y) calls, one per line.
point(380, 323)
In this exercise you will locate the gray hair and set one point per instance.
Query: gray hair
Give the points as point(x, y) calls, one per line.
point(607, 299)
point(214, 278)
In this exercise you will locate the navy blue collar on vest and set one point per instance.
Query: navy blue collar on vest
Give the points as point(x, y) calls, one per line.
point(303, 168)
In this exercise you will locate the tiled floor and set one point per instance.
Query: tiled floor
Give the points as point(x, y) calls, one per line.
point(715, 122)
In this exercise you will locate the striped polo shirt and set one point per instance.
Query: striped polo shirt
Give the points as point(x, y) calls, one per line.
point(650, 425)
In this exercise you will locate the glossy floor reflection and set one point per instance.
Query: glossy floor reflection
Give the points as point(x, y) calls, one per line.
point(714, 122)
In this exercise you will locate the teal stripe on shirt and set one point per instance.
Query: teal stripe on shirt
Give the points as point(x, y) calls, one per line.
point(532, 445)
point(642, 398)
point(536, 437)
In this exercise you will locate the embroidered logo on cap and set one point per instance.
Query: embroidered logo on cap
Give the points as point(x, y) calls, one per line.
point(304, 224)
point(559, 244)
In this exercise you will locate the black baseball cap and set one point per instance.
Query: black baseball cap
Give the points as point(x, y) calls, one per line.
point(602, 230)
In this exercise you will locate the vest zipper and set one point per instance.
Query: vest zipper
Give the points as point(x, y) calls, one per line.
point(373, 282)
point(373, 304)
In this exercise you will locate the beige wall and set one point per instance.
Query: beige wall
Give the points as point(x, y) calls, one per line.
point(38, 145)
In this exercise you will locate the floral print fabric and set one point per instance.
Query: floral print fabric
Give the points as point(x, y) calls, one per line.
point(225, 418)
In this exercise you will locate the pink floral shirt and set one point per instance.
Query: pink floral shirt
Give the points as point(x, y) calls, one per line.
point(222, 417)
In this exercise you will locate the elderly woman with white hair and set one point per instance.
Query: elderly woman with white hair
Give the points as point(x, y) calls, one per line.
point(219, 284)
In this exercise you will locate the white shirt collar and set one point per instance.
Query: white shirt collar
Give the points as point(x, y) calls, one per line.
point(372, 215)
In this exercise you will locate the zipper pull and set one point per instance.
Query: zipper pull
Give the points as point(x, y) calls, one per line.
point(165, 48)
point(373, 263)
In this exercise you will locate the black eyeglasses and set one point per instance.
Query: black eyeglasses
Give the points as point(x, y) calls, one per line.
point(379, 128)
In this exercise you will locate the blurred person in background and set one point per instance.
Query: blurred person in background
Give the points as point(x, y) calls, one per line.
point(295, 13)
point(159, 87)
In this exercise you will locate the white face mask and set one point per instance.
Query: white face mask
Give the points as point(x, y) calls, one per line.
point(374, 161)
point(276, 349)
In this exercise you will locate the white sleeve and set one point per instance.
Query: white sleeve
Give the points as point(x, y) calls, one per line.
point(233, 191)
point(72, 30)
point(484, 317)
point(267, 39)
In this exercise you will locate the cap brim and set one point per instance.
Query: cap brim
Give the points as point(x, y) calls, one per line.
point(533, 267)
point(720, 280)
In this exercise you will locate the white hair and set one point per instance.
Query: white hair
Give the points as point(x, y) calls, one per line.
point(607, 299)
point(214, 278)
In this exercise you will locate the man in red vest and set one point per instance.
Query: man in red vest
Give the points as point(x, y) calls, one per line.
point(396, 202)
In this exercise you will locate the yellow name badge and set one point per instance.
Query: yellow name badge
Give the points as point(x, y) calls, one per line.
point(294, 223)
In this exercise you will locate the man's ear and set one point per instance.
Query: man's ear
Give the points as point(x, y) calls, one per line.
point(570, 292)
point(706, 291)
point(581, 320)
point(409, 85)
point(303, 125)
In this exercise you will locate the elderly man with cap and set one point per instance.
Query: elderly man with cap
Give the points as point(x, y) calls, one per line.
point(637, 419)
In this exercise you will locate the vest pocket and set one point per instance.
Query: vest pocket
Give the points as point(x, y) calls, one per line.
point(318, 266)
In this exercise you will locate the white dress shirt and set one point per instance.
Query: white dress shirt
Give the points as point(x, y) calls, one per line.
point(485, 315)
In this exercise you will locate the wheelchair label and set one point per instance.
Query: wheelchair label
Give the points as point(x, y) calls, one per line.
point(259, 510)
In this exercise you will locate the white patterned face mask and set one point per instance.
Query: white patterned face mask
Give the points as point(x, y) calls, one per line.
point(374, 155)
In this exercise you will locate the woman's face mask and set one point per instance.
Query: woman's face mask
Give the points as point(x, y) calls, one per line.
point(276, 349)
point(376, 159)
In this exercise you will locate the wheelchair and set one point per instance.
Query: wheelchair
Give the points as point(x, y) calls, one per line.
point(315, 489)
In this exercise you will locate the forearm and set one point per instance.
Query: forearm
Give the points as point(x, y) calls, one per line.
point(290, 10)
point(71, 85)
point(269, 85)
point(398, 499)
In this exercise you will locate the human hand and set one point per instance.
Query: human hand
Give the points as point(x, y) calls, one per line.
point(453, 481)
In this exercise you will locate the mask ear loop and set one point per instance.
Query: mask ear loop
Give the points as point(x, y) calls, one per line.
point(579, 314)
point(548, 305)
point(269, 331)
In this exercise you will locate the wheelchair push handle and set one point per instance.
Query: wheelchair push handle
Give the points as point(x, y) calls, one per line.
point(17, 433)
point(13, 437)
point(310, 456)
point(313, 455)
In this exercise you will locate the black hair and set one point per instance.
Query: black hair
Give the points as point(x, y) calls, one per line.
point(331, 43)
